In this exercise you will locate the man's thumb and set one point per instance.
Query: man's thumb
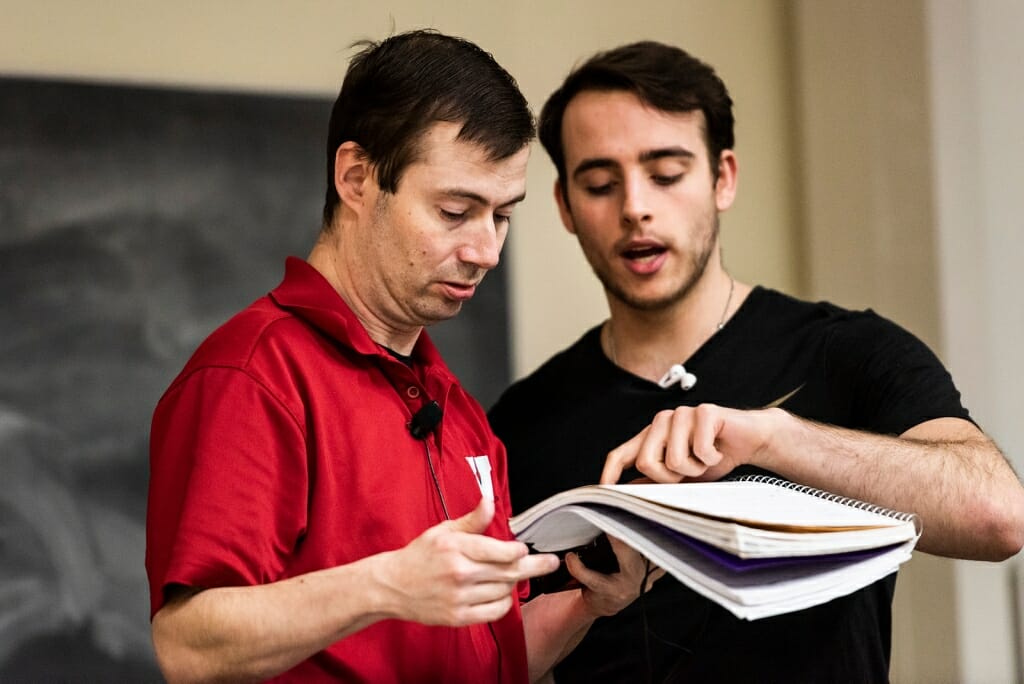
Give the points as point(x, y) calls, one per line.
point(477, 520)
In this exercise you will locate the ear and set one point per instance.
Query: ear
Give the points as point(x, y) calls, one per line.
point(725, 186)
point(563, 208)
point(352, 175)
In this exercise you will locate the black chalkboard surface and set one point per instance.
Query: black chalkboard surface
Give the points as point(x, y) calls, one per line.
point(132, 222)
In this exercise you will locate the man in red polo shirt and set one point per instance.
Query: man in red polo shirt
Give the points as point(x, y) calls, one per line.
point(326, 502)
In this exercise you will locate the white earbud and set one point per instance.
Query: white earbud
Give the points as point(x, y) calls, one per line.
point(678, 373)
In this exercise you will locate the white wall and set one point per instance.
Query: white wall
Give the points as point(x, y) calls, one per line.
point(975, 54)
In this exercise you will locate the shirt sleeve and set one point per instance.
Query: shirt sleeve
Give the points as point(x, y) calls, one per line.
point(228, 484)
point(888, 378)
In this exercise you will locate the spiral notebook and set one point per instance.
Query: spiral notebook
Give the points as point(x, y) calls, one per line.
point(757, 545)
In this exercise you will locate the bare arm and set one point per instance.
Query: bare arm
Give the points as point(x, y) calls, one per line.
point(945, 470)
point(253, 633)
point(556, 623)
point(450, 575)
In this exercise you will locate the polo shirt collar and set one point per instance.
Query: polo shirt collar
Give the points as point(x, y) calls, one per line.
point(305, 293)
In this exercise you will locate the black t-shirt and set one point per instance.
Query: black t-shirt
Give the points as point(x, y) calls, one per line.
point(851, 369)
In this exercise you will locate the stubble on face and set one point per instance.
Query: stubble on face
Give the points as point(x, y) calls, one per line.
point(640, 197)
point(426, 262)
point(693, 271)
point(404, 280)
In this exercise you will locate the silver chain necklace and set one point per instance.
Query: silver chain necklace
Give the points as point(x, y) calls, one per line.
point(721, 322)
point(677, 373)
point(728, 301)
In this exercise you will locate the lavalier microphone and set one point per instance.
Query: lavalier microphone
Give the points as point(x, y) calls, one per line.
point(678, 373)
point(425, 420)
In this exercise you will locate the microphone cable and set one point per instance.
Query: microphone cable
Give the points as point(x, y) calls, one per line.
point(649, 633)
point(437, 483)
point(447, 516)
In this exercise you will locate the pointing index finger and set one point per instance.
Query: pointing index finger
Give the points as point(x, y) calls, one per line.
point(622, 457)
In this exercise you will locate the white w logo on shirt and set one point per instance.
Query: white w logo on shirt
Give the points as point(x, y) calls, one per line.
point(481, 467)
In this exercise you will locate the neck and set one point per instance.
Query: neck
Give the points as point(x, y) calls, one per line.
point(328, 257)
point(647, 343)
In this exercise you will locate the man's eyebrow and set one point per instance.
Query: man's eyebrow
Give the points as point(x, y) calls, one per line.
point(651, 155)
point(593, 163)
point(645, 156)
point(477, 198)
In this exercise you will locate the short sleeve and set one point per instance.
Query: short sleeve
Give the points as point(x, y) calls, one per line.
point(888, 379)
point(228, 483)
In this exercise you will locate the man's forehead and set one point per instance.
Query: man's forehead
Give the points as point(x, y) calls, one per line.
point(451, 165)
point(603, 102)
point(620, 123)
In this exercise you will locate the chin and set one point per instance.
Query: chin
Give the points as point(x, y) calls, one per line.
point(646, 301)
point(649, 296)
point(440, 314)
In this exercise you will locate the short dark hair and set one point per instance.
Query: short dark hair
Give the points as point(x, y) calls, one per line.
point(396, 89)
point(662, 76)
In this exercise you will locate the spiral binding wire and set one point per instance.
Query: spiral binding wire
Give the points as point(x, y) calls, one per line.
point(828, 496)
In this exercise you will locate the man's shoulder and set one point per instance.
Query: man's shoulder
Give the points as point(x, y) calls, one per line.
point(769, 302)
point(774, 309)
point(236, 343)
point(848, 326)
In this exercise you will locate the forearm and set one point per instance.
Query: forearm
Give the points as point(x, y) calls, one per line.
point(554, 625)
point(946, 471)
point(452, 574)
point(253, 633)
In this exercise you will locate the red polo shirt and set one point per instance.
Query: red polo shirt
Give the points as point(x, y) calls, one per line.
point(283, 448)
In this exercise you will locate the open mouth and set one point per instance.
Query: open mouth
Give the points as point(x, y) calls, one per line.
point(643, 253)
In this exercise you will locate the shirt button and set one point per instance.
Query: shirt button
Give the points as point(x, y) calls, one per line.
point(412, 391)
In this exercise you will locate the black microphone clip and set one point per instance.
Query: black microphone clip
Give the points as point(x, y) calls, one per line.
point(425, 420)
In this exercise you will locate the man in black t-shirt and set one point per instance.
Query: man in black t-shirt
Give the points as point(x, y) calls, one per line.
point(696, 375)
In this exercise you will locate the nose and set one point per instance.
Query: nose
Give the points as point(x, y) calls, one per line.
point(483, 246)
point(636, 208)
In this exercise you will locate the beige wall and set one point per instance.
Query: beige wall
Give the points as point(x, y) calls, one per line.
point(975, 56)
point(267, 45)
point(910, 157)
point(869, 230)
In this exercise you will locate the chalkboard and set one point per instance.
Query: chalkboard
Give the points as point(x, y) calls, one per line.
point(132, 222)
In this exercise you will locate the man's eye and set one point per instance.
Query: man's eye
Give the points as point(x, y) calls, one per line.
point(667, 180)
point(598, 190)
point(452, 215)
point(502, 218)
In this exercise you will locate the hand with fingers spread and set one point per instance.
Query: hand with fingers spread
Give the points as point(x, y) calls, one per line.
point(454, 575)
point(702, 442)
